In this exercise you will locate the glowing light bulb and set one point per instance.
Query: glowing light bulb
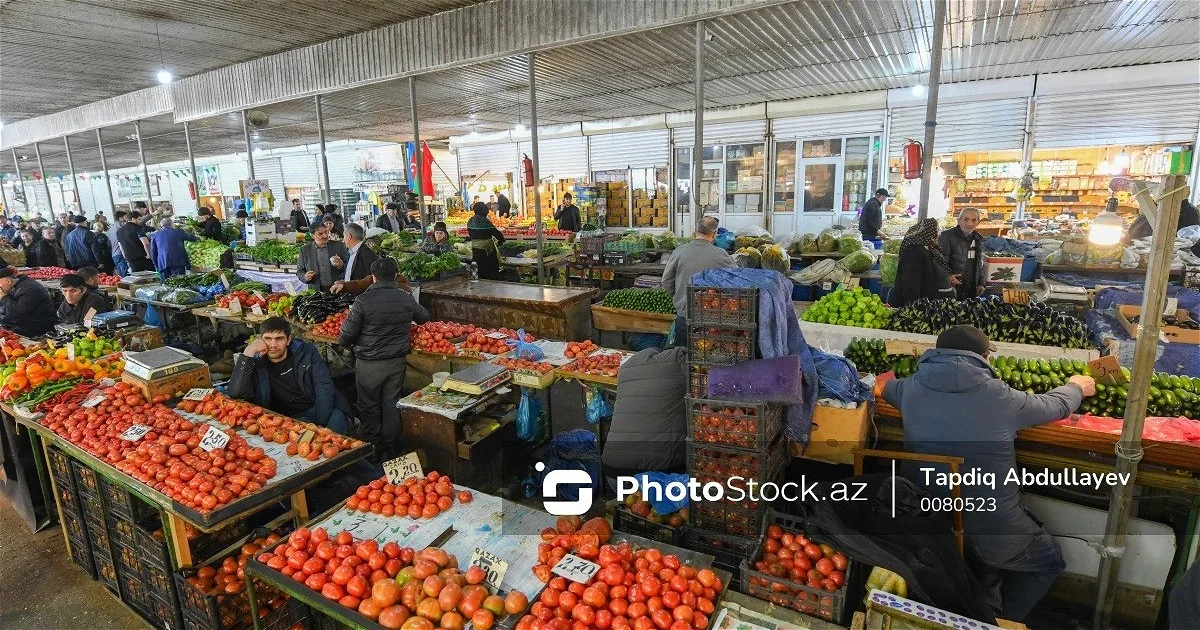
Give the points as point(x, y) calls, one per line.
point(164, 77)
point(918, 90)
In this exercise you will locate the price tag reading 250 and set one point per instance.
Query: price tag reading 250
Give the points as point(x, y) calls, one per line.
point(576, 569)
point(214, 438)
point(135, 432)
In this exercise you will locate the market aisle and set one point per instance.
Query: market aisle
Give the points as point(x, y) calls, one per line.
point(41, 589)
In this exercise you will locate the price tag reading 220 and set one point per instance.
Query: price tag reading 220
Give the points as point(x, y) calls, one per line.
point(401, 468)
point(576, 569)
point(135, 432)
point(493, 567)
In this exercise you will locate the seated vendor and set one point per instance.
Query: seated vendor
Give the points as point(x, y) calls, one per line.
point(288, 376)
point(78, 299)
point(649, 423)
point(25, 306)
point(956, 405)
point(91, 280)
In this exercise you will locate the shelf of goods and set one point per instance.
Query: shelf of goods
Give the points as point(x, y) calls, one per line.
point(553, 312)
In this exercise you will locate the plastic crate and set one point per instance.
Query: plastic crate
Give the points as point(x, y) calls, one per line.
point(727, 551)
point(106, 571)
point(292, 612)
point(830, 606)
point(202, 611)
point(625, 247)
point(318, 620)
point(117, 500)
point(60, 466)
point(162, 615)
point(122, 530)
point(133, 592)
point(736, 425)
point(85, 478)
point(709, 306)
point(697, 380)
point(126, 557)
point(93, 509)
point(630, 523)
point(710, 463)
point(81, 554)
point(73, 523)
point(721, 346)
point(595, 244)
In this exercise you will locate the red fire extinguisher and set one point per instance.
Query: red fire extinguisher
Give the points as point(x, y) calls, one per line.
point(913, 164)
point(192, 190)
point(527, 170)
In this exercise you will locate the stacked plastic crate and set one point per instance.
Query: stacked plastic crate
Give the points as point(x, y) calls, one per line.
point(727, 439)
point(72, 510)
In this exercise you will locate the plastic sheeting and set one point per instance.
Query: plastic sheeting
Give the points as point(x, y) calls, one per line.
point(1172, 358)
point(1178, 430)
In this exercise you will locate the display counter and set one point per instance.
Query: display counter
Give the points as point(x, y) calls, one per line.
point(545, 312)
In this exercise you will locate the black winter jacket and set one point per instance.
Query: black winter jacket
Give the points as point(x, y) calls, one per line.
point(212, 229)
point(917, 276)
point(377, 326)
point(45, 254)
point(649, 425)
point(958, 248)
point(250, 381)
point(27, 309)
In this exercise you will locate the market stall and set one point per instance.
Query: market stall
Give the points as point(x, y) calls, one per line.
point(559, 313)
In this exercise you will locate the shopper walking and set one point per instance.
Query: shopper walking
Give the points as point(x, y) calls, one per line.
point(699, 255)
point(503, 206)
point(103, 247)
point(568, 215)
point(81, 246)
point(963, 247)
point(118, 259)
point(390, 219)
point(484, 239)
point(870, 219)
point(955, 405)
point(357, 263)
point(135, 246)
point(922, 270)
point(377, 329)
point(167, 251)
point(321, 262)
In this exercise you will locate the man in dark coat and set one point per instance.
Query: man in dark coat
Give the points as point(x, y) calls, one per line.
point(322, 261)
point(46, 252)
point(25, 305)
point(503, 205)
point(390, 220)
point(567, 215)
point(288, 376)
point(299, 219)
point(956, 405)
point(78, 299)
point(649, 422)
point(963, 247)
point(210, 226)
point(357, 263)
point(377, 329)
point(870, 220)
point(81, 246)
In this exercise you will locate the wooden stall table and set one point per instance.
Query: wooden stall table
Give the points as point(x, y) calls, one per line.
point(290, 482)
point(527, 267)
point(623, 320)
point(463, 436)
point(544, 312)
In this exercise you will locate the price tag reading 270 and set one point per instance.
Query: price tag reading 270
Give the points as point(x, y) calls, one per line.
point(135, 432)
point(576, 569)
point(214, 438)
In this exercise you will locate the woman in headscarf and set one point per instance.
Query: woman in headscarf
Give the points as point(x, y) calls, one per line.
point(923, 270)
point(437, 242)
point(484, 238)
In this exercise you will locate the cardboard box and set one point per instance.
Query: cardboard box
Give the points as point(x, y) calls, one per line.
point(659, 221)
point(1174, 334)
point(176, 384)
point(836, 433)
point(660, 203)
point(642, 221)
point(641, 202)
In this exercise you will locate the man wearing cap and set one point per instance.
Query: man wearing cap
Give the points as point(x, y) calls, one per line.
point(167, 251)
point(870, 220)
point(242, 217)
point(25, 306)
point(956, 405)
point(78, 300)
point(135, 247)
point(390, 220)
point(82, 248)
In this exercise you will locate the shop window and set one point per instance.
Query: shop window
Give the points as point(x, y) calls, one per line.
point(745, 174)
point(856, 179)
point(823, 148)
point(820, 181)
point(613, 186)
point(784, 191)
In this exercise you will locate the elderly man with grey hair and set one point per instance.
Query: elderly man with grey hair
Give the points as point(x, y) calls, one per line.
point(699, 255)
point(964, 250)
point(358, 263)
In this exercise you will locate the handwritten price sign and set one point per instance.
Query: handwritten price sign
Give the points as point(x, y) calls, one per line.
point(401, 468)
point(493, 567)
point(135, 432)
point(198, 393)
point(94, 398)
point(214, 438)
point(576, 569)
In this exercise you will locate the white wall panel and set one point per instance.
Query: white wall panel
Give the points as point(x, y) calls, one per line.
point(639, 149)
point(971, 126)
point(828, 125)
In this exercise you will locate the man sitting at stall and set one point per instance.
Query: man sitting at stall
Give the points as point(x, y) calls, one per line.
point(288, 376)
point(377, 329)
point(699, 255)
point(25, 306)
point(955, 405)
point(78, 300)
point(91, 281)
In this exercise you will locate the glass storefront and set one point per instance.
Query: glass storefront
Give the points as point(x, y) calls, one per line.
point(823, 181)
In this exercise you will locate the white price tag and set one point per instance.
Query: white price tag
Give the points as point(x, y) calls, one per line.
point(135, 432)
point(259, 295)
point(94, 398)
point(256, 309)
point(214, 438)
point(827, 285)
point(87, 317)
point(401, 468)
point(497, 335)
point(71, 351)
point(493, 567)
point(198, 393)
point(235, 306)
point(225, 281)
point(576, 569)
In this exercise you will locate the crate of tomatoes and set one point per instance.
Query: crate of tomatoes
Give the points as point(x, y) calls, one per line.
point(213, 596)
point(790, 569)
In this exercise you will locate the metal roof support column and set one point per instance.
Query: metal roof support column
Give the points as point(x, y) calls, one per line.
point(931, 103)
point(1194, 179)
point(1026, 154)
point(537, 179)
point(418, 154)
point(4, 199)
point(20, 182)
point(326, 193)
point(71, 167)
point(249, 147)
point(137, 127)
point(1129, 448)
point(37, 151)
point(112, 201)
point(698, 142)
point(187, 139)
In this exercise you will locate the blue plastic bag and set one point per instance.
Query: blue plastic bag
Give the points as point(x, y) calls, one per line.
point(573, 450)
point(524, 350)
point(529, 413)
point(658, 500)
point(597, 404)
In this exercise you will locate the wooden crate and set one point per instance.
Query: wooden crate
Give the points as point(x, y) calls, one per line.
point(607, 318)
point(176, 384)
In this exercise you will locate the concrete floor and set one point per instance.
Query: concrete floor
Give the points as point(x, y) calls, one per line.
point(41, 589)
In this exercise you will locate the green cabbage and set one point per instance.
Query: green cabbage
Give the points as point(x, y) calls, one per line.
point(888, 264)
point(849, 243)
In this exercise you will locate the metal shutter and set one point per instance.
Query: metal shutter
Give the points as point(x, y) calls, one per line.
point(559, 157)
point(493, 158)
point(270, 169)
point(974, 126)
point(828, 125)
point(300, 170)
point(635, 149)
point(445, 168)
point(1144, 116)
point(231, 174)
point(719, 133)
point(341, 168)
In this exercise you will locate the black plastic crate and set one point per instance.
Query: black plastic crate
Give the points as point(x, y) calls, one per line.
point(630, 523)
point(727, 551)
point(85, 477)
point(73, 523)
point(159, 583)
point(81, 554)
point(595, 244)
point(712, 345)
point(162, 615)
point(122, 530)
point(93, 509)
point(828, 605)
point(202, 611)
point(737, 425)
point(60, 466)
point(318, 620)
point(126, 557)
point(710, 306)
point(709, 463)
point(133, 592)
point(698, 380)
point(106, 571)
point(291, 613)
point(117, 500)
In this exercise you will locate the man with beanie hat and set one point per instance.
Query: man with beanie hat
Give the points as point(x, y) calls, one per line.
point(956, 405)
point(25, 306)
point(82, 248)
point(78, 300)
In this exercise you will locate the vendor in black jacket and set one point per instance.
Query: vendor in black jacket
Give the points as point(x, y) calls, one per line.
point(870, 219)
point(25, 306)
point(210, 225)
point(377, 329)
point(963, 247)
point(78, 300)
